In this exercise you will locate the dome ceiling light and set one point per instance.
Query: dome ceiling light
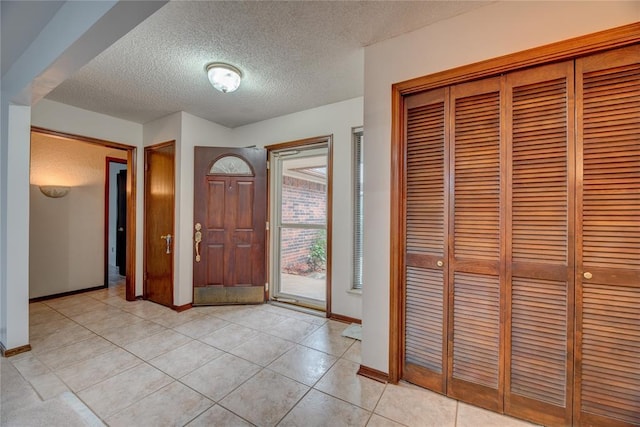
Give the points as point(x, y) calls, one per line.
point(224, 77)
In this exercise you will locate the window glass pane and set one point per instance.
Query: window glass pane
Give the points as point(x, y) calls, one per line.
point(304, 190)
point(303, 263)
point(231, 165)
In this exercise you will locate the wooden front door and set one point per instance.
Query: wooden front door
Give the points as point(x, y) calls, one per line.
point(230, 194)
point(159, 225)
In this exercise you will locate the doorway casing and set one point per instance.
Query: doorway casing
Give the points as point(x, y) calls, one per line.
point(130, 281)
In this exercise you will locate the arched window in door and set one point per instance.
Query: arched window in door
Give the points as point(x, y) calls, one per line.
point(231, 165)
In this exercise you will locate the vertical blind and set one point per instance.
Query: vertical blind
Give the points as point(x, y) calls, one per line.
point(358, 174)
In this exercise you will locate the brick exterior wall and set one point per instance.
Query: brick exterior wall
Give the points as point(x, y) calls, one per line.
point(302, 202)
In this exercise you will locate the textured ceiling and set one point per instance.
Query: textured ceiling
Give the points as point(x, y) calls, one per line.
point(294, 56)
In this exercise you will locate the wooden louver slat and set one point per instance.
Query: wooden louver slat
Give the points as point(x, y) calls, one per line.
point(539, 249)
point(425, 242)
point(474, 331)
point(477, 177)
point(425, 180)
point(540, 168)
point(606, 338)
point(608, 329)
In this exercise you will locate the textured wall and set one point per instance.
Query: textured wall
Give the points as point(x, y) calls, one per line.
point(66, 243)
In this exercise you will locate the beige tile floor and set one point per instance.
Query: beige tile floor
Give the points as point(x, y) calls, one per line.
point(98, 360)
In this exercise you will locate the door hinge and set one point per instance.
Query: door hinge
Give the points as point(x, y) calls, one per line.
point(268, 166)
point(267, 226)
point(266, 286)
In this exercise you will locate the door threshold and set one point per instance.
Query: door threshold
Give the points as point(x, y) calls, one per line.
point(284, 303)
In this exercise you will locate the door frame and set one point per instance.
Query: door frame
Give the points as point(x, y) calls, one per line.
point(107, 212)
point(301, 143)
point(559, 51)
point(130, 282)
point(147, 149)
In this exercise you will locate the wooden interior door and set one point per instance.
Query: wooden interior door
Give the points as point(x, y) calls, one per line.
point(159, 222)
point(540, 249)
point(426, 250)
point(230, 204)
point(475, 268)
point(121, 222)
point(608, 263)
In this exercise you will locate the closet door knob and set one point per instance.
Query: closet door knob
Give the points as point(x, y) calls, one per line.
point(439, 263)
point(587, 275)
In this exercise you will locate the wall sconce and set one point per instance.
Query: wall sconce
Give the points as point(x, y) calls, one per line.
point(54, 191)
point(224, 77)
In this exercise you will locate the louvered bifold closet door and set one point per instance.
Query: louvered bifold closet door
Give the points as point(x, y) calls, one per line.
point(475, 371)
point(607, 390)
point(425, 243)
point(539, 259)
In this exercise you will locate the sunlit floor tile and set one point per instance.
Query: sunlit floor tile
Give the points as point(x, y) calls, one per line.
point(343, 382)
point(317, 409)
point(293, 329)
point(157, 344)
point(303, 364)
point(378, 421)
point(64, 356)
point(81, 375)
point(274, 395)
point(173, 405)
point(201, 326)
point(416, 407)
point(218, 416)
point(328, 339)
point(471, 416)
point(68, 335)
point(229, 337)
point(185, 359)
point(219, 377)
point(353, 353)
point(140, 330)
point(262, 349)
point(111, 396)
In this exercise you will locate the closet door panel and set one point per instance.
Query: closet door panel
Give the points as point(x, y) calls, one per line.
point(474, 327)
point(425, 241)
point(539, 259)
point(607, 390)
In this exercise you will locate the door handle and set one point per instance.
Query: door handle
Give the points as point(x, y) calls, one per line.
point(168, 239)
point(198, 238)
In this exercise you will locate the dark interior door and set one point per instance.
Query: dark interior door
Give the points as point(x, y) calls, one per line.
point(230, 189)
point(159, 213)
point(121, 223)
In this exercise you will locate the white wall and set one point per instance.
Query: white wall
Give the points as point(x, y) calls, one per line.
point(338, 120)
point(14, 225)
point(494, 30)
point(66, 244)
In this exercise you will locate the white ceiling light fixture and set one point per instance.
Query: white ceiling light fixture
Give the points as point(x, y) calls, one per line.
point(224, 77)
